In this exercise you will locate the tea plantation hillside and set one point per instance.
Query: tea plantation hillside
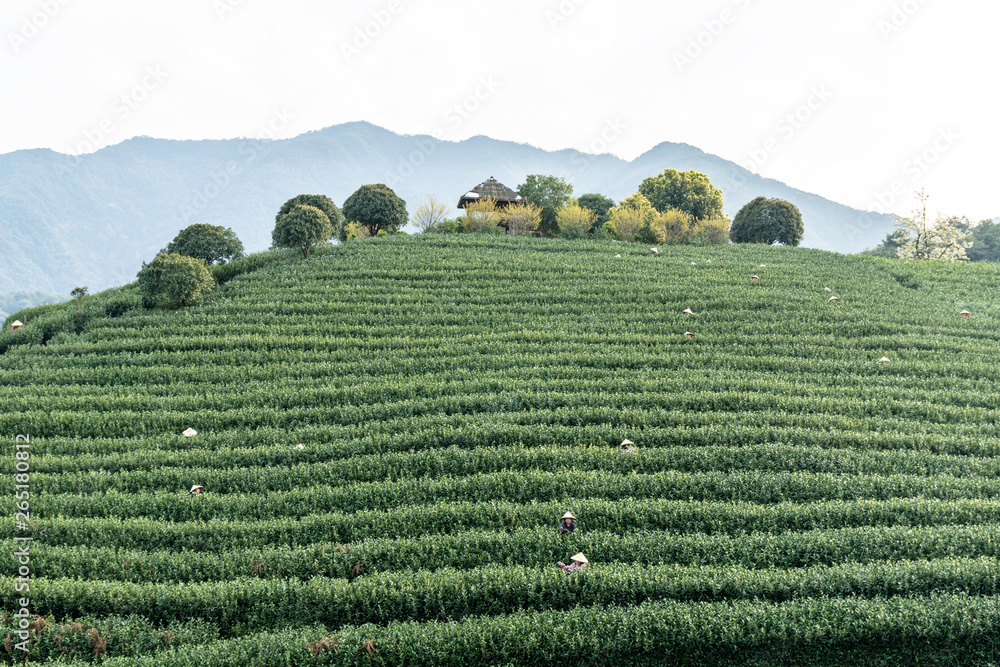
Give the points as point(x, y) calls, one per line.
point(388, 433)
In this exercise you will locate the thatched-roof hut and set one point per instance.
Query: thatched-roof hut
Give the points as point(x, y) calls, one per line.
point(493, 189)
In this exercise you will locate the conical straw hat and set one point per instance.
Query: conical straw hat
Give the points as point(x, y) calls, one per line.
point(568, 515)
point(197, 488)
point(189, 433)
point(580, 558)
point(627, 443)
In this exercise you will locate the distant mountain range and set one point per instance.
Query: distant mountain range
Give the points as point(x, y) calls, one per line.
point(92, 220)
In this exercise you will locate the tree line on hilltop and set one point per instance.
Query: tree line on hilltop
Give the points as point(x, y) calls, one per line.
point(670, 208)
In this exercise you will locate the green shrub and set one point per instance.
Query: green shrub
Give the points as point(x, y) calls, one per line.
point(174, 281)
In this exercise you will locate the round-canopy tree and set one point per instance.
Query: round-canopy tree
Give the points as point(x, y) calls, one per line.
point(546, 191)
point(550, 194)
point(323, 203)
point(212, 243)
point(376, 207)
point(599, 204)
point(174, 280)
point(302, 227)
point(689, 191)
point(767, 221)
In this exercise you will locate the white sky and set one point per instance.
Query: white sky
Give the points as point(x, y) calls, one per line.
point(888, 80)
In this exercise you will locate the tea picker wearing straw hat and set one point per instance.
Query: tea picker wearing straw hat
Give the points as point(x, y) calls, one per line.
point(578, 562)
point(568, 523)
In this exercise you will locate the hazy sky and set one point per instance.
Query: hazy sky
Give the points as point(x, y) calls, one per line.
point(848, 99)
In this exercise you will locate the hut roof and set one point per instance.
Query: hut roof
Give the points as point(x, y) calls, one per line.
point(491, 188)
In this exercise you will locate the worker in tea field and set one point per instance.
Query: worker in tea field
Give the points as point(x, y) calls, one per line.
point(196, 489)
point(578, 562)
point(568, 523)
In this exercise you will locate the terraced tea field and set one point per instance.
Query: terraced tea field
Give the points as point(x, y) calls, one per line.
point(388, 433)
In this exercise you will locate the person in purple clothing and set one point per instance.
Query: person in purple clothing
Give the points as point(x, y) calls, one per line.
point(578, 562)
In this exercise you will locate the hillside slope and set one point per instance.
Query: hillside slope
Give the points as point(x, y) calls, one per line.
point(93, 220)
point(389, 432)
